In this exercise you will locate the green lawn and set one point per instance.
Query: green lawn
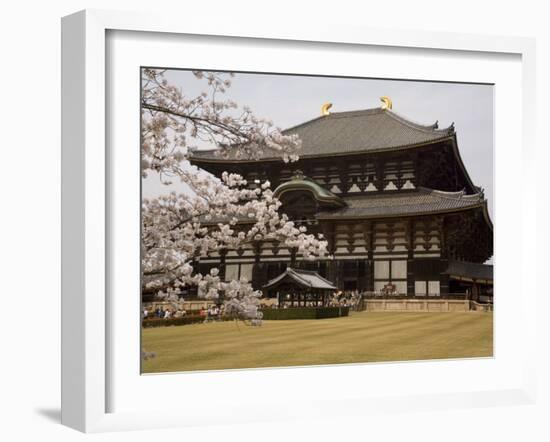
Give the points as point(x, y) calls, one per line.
point(361, 337)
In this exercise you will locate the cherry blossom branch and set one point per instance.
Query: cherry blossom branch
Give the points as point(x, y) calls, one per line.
point(178, 229)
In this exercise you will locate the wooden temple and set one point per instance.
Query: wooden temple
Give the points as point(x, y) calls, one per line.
point(392, 197)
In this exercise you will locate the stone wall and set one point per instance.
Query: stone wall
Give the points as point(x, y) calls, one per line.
point(417, 305)
point(481, 307)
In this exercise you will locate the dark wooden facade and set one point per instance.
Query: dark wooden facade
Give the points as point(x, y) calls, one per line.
point(392, 198)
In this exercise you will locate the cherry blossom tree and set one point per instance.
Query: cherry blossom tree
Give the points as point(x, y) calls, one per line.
point(216, 214)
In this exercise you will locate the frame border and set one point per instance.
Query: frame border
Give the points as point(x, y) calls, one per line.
point(84, 235)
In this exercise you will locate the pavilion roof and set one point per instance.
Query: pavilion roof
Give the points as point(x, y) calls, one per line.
point(470, 270)
point(338, 133)
point(302, 278)
point(421, 201)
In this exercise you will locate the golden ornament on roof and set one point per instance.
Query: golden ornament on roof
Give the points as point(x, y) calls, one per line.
point(325, 109)
point(386, 102)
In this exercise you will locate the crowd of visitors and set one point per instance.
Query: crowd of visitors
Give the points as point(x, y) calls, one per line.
point(340, 298)
point(163, 312)
point(349, 299)
point(210, 313)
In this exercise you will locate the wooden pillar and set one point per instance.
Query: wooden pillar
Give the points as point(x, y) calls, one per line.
point(258, 279)
point(443, 278)
point(410, 226)
point(293, 257)
point(337, 273)
point(328, 230)
point(379, 179)
point(443, 238)
point(223, 252)
point(369, 269)
point(331, 270)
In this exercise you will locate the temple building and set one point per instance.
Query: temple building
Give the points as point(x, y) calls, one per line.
point(392, 197)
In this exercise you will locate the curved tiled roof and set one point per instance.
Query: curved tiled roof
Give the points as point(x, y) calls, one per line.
point(354, 132)
point(304, 278)
point(303, 183)
point(421, 201)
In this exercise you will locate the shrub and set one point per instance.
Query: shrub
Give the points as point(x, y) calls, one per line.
point(160, 322)
point(268, 314)
point(184, 320)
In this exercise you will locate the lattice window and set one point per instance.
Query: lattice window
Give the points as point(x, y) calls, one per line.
point(433, 288)
point(231, 272)
point(246, 271)
point(382, 270)
point(420, 288)
point(399, 269)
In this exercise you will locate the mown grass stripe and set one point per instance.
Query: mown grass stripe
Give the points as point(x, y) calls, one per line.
point(362, 337)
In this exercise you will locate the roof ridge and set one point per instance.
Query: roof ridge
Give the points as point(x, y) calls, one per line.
point(371, 110)
point(302, 270)
point(358, 112)
point(297, 274)
point(309, 272)
point(351, 132)
point(443, 193)
point(461, 194)
point(387, 194)
point(426, 128)
point(431, 128)
point(305, 123)
point(477, 198)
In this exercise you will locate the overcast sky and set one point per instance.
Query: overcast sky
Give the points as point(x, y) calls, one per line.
point(289, 100)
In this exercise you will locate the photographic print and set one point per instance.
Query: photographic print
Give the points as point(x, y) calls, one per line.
point(295, 220)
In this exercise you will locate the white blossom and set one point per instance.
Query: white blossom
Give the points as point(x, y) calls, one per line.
point(170, 120)
point(218, 214)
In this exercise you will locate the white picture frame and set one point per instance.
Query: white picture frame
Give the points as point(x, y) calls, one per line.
point(87, 210)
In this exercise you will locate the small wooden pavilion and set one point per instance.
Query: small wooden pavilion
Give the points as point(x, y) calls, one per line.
point(300, 288)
